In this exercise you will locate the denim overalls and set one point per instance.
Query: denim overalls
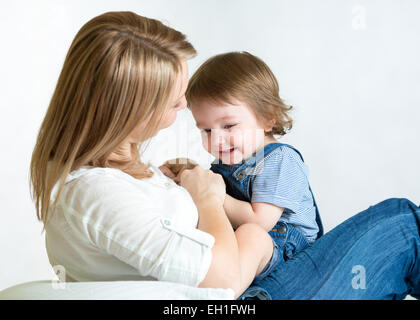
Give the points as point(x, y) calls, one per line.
point(287, 239)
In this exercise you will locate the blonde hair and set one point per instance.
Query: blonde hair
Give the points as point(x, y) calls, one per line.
point(244, 77)
point(120, 70)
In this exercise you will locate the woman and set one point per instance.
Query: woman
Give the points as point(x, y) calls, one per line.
point(108, 216)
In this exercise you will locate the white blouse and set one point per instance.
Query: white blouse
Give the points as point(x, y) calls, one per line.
point(108, 225)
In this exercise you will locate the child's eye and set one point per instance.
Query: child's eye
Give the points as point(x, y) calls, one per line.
point(228, 126)
point(206, 130)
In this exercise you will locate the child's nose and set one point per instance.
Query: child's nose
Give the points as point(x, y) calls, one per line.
point(220, 139)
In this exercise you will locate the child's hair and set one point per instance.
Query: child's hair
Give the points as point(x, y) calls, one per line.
point(244, 77)
point(119, 71)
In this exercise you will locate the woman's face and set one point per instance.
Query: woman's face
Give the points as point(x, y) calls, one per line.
point(177, 102)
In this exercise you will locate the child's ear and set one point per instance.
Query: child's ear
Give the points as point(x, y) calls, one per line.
point(269, 126)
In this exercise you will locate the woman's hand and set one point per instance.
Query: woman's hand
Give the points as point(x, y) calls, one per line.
point(174, 167)
point(203, 184)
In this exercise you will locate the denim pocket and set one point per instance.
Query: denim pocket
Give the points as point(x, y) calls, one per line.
point(255, 293)
point(295, 243)
point(289, 239)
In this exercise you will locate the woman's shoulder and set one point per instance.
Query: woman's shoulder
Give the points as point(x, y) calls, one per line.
point(91, 194)
point(96, 178)
point(88, 173)
point(91, 183)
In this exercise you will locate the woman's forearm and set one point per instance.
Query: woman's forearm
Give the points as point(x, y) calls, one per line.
point(224, 271)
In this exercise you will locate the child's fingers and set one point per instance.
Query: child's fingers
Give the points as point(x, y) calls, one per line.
point(167, 172)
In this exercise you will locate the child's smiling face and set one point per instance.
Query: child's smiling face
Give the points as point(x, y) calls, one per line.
point(230, 132)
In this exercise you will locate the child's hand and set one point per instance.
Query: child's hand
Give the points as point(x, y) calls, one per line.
point(174, 167)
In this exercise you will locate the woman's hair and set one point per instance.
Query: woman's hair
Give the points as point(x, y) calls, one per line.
point(244, 77)
point(120, 70)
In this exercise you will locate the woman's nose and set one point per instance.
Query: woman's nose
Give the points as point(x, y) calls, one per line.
point(182, 104)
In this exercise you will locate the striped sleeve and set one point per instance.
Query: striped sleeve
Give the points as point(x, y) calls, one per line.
point(282, 180)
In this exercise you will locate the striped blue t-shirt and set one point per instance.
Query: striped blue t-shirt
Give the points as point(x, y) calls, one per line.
point(281, 178)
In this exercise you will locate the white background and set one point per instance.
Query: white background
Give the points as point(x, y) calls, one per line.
point(351, 69)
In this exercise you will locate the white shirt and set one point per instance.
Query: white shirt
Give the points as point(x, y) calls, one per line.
point(108, 225)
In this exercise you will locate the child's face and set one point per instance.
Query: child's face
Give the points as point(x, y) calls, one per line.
point(230, 133)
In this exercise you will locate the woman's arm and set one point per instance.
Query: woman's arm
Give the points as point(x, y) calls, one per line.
point(208, 191)
point(235, 259)
point(240, 212)
point(224, 271)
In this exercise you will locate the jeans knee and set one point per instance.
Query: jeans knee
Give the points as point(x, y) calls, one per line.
point(402, 209)
point(397, 205)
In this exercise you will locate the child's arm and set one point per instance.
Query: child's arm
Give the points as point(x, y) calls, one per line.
point(264, 214)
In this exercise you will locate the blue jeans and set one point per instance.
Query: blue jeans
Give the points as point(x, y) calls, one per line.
point(287, 241)
point(373, 255)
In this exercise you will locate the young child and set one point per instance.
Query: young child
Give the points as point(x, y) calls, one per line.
point(234, 98)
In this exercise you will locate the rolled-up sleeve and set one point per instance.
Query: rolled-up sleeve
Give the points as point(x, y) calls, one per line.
point(130, 228)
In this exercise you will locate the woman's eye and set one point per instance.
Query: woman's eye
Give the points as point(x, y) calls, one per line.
point(207, 130)
point(228, 126)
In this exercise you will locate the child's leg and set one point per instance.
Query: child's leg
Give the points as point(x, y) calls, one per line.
point(254, 254)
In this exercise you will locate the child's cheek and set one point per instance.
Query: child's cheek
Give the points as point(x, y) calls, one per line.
point(251, 141)
point(236, 139)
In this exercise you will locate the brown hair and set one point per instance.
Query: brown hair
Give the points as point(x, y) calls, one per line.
point(120, 70)
point(244, 77)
